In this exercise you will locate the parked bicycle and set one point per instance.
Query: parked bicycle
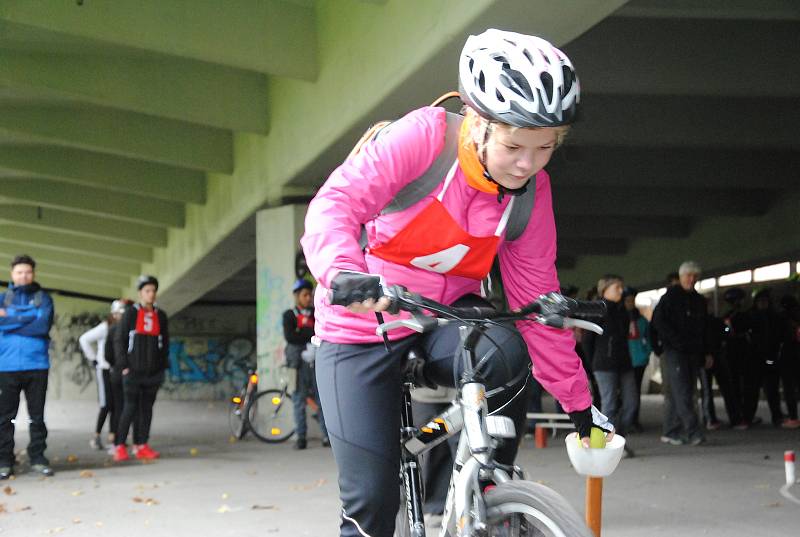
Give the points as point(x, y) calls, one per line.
point(269, 414)
point(239, 402)
point(485, 498)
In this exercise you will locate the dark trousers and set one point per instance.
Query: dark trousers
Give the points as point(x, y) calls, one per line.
point(787, 367)
point(757, 375)
point(638, 373)
point(680, 417)
point(140, 396)
point(105, 399)
point(727, 387)
point(618, 386)
point(306, 387)
point(34, 384)
point(118, 402)
point(359, 386)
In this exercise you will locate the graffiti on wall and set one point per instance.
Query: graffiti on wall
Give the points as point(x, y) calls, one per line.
point(66, 358)
point(210, 360)
point(274, 297)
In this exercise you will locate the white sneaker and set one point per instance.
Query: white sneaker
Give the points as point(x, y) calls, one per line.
point(96, 443)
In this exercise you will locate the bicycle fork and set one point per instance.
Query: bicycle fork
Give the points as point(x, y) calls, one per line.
point(409, 469)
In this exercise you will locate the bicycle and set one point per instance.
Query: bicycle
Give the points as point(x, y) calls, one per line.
point(269, 414)
point(485, 498)
point(239, 402)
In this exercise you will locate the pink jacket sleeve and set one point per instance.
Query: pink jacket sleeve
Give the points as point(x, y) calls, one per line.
point(528, 269)
point(362, 186)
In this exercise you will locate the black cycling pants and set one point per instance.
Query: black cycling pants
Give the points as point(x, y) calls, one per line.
point(140, 396)
point(360, 391)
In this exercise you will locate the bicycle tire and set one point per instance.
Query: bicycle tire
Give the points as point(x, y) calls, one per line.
point(269, 416)
point(527, 509)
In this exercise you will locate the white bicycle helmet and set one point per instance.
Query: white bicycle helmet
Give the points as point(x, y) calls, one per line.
point(518, 79)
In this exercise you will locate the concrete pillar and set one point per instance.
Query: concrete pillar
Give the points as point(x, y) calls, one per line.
point(278, 234)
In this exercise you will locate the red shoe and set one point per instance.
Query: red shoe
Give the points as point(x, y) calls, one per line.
point(790, 424)
point(121, 454)
point(146, 452)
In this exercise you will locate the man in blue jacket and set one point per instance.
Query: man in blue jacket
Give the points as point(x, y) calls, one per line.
point(26, 315)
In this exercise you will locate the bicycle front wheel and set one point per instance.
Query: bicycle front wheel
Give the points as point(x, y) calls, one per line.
point(526, 509)
point(269, 416)
point(236, 421)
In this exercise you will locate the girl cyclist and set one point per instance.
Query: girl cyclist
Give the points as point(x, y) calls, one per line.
point(521, 93)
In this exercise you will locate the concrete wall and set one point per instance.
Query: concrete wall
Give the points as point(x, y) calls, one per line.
point(211, 347)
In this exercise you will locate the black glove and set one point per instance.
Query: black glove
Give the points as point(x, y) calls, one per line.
point(585, 419)
point(348, 287)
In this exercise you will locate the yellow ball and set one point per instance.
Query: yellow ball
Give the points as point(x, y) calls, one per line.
point(597, 439)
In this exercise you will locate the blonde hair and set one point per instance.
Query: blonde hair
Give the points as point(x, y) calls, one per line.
point(482, 130)
point(607, 281)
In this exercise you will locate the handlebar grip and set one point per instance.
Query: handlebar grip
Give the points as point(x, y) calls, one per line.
point(585, 308)
point(476, 312)
point(350, 286)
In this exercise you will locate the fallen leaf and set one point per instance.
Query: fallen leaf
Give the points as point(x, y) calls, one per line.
point(225, 495)
point(25, 508)
point(86, 473)
point(775, 504)
point(193, 452)
point(138, 499)
point(77, 493)
point(76, 520)
point(3, 508)
point(223, 508)
point(232, 439)
point(9, 491)
point(151, 501)
point(98, 524)
point(262, 507)
point(72, 458)
point(55, 530)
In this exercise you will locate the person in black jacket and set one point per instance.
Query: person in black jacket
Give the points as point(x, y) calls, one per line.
point(681, 321)
point(298, 329)
point(766, 331)
point(142, 348)
point(611, 360)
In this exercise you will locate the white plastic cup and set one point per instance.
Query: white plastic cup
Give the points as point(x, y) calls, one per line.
point(595, 462)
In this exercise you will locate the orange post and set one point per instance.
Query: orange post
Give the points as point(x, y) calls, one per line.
point(540, 436)
point(594, 504)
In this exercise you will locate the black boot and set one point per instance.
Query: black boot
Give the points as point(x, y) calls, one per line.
point(300, 443)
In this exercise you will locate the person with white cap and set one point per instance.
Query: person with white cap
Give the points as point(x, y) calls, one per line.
point(93, 345)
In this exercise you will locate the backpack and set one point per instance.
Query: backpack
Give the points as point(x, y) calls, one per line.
point(423, 185)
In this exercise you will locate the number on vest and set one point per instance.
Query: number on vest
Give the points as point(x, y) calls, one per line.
point(442, 261)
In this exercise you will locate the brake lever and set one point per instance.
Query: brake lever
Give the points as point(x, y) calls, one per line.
point(418, 322)
point(586, 325)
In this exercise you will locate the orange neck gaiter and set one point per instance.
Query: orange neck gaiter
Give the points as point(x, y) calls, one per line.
point(470, 164)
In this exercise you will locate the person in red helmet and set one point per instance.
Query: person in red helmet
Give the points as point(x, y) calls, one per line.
point(142, 347)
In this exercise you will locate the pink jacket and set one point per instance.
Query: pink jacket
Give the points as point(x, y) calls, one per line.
point(357, 191)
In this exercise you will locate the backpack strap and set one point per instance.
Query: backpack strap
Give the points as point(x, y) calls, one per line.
point(521, 212)
point(37, 298)
point(423, 185)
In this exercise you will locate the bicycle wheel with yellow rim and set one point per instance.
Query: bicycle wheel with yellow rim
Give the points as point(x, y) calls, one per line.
point(270, 416)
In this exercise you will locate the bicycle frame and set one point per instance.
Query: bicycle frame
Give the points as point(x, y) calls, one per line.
point(464, 508)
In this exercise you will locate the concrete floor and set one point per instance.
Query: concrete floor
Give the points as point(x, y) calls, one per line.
point(204, 485)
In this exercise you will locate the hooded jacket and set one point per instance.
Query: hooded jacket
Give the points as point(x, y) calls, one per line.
point(141, 348)
point(25, 329)
point(357, 191)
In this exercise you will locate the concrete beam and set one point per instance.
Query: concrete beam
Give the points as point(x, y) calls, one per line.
point(644, 201)
point(670, 167)
point(717, 242)
point(70, 243)
point(54, 282)
point(590, 245)
point(269, 36)
point(740, 58)
point(59, 195)
point(46, 255)
point(610, 227)
point(185, 90)
point(687, 121)
point(145, 137)
point(105, 171)
point(83, 275)
point(712, 9)
point(80, 224)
